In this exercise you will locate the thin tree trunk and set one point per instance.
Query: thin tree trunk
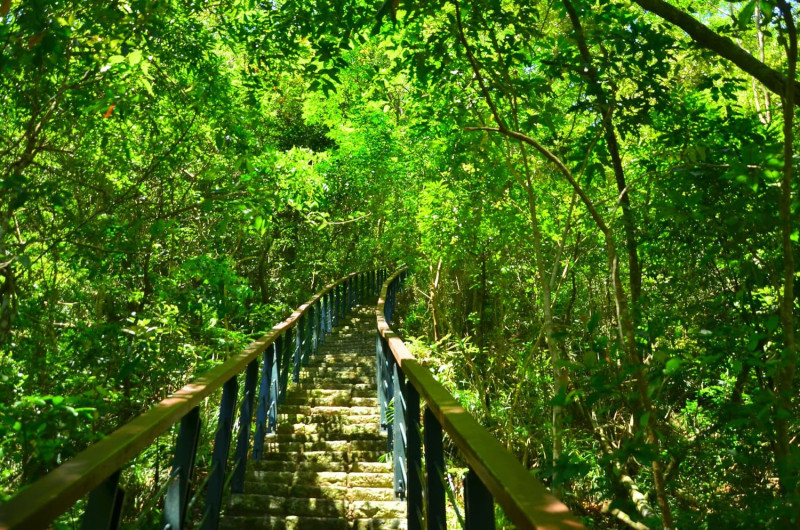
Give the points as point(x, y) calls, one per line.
point(787, 467)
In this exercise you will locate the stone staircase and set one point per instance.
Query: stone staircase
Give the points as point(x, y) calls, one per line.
point(326, 467)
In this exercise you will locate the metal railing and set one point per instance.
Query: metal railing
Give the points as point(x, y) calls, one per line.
point(494, 474)
point(96, 471)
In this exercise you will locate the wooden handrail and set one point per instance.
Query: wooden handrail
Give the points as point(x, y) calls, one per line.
point(43, 501)
point(524, 499)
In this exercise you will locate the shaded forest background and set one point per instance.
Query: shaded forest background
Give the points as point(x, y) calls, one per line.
point(597, 201)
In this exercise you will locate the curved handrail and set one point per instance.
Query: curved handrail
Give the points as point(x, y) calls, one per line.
point(524, 499)
point(52, 495)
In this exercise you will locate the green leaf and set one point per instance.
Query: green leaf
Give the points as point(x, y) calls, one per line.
point(746, 14)
point(673, 365)
point(772, 323)
point(135, 57)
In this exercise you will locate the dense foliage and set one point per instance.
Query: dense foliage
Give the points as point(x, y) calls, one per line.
point(597, 200)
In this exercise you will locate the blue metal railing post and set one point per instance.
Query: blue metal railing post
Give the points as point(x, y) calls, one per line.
point(274, 385)
point(263, 403)
point(329, 320)
point(434, 467)
point(399, 434)
point(245, 421)
point(219, 458)
point(308, 342)
point(104, 508)
point(478, 504)
point(388, 391)
point(298, 349)
point(335, 309)
point(323, 318)
point(380, 378)
point(348, 295)
point(342, 300)
point(286, 360)
point(414, 459)
point(182, 471)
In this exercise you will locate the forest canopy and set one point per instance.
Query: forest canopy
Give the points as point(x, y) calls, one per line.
point(597, 201)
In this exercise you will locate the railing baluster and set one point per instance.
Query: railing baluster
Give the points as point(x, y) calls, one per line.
point(219, 459)
point(298, 349)
point(245, 421)
point(414, 458)
point(183, 471)
point(329, 313)
point(286, 361)
point(323, 319)
point(434, 469)
point(399, 434)
point(342, 301)
point(105, 505)
point(478, 504)
point(335, 311)
point(263, 403)
point(274, 385)
point(311, 334)
point(384, 386)
point(345, 301)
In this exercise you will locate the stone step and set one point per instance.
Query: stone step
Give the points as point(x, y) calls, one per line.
point(330, 400)
point(315, 507)
point(313, 380)
point(328, 419)
point(334, 384)
point(313, 491)
point(324, 456)
point(292, 522)
point(326, 372)
point(329, 428)
point(341, 393)
point(341, 479)
point(324, 445)
point(282, 438)
point(347, 465)
point(325, 410)
point(345, 357)
point(365, 364)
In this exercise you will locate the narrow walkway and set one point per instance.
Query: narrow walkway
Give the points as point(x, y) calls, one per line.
point(327, 467)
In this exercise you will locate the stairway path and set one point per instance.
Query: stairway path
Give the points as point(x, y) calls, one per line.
point(327, 466)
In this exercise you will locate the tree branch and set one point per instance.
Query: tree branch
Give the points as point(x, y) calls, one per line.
point(704, 37)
